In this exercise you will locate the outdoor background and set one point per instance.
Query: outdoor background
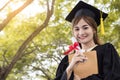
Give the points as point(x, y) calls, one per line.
point(34, 35)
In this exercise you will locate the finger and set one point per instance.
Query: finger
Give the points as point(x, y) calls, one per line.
point(80, 53)
point(83, 59)
point(77, 53)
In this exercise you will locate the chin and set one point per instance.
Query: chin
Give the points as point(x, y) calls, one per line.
point(84, 42)
point(87, 40)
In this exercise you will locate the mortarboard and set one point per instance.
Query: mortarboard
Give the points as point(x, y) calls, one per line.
point(85, 9)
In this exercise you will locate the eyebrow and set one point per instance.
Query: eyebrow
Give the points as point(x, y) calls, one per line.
point(82, 26)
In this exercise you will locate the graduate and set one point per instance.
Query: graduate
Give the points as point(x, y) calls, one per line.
point(106, 65)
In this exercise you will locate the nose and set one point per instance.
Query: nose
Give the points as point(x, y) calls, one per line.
point(81, 32)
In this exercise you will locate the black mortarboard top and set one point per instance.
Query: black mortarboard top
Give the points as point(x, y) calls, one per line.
point(84, 9)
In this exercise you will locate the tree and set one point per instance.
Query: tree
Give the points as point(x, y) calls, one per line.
point(6, 70)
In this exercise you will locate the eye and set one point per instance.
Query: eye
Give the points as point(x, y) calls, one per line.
point(76, 29)
point(85, 27)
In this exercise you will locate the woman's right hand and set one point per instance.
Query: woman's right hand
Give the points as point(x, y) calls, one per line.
point(78, 57)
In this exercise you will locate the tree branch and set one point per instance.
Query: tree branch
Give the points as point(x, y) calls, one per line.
point(5, 60)
point(5, 5)
point(43, 71)
point(13, 14)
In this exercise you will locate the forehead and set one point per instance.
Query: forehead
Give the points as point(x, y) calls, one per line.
point(80, 23)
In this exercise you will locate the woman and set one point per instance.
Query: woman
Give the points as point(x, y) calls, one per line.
point(85, 19)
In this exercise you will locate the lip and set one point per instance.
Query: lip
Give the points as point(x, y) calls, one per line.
point(81, 38)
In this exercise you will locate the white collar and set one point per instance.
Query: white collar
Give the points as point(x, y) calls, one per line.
point(83, 50)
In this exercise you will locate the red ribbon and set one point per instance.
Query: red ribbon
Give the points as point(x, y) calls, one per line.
point(71, 48)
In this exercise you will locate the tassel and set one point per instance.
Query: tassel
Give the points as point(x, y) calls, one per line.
point(102, 26)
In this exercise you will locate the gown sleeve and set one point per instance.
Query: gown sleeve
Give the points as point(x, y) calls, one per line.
point(61, 71)
point(111, 65)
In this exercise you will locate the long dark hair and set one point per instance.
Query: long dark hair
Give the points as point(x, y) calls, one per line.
point(90, 22)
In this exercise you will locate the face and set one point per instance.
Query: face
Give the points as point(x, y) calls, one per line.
point(83, 32)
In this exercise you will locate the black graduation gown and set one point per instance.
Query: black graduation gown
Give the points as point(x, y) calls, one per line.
point(108, 65)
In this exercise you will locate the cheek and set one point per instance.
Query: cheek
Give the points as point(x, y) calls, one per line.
point(90, 31)
point(91, 34)
point(75, 33)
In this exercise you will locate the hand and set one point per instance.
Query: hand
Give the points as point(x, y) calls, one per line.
point(78, 57)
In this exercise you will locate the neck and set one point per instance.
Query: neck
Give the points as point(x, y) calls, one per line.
point(88, 45)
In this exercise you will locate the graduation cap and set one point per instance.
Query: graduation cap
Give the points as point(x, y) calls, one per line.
point(84, 9)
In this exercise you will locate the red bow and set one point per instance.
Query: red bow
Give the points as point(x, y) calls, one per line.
point(71, 48)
